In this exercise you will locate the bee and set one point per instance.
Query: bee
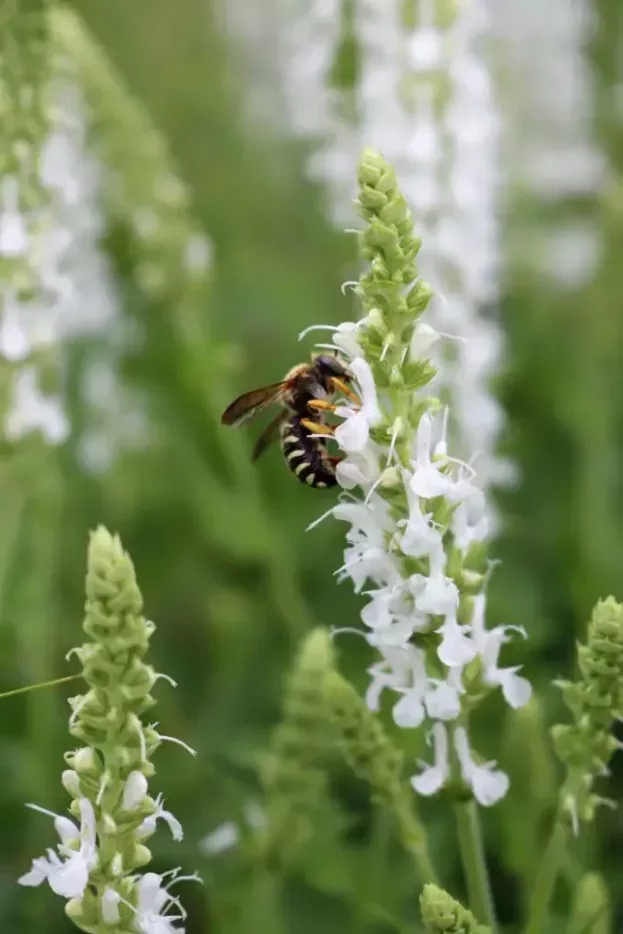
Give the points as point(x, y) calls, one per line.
point(304, 392)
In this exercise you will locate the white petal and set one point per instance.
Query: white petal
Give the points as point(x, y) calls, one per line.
point(13, 236)
point(134, 791)
point(360, 469)
point(380, 681)
point(87, 828)
point(517, 690)
point(174, 825)
point(439, 596)
point(363, 374)
point(66, 829)
point(455, 648)
point(110, 910)
point(424, 336)
point(352, 434)
point(428, 482)
point(443, 701)
point(376, 614)
point(398, 634)
point(488, 783)
point(409, 711)
point(349, 474)
point(151, 897)
point(423, 440)
point(433, 777)
point(38, 873)
point(345, 337)
point(430, 780)
point(419, 537)
point(70, 879)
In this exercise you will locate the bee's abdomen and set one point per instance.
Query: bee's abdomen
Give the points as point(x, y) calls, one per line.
point(306, 455)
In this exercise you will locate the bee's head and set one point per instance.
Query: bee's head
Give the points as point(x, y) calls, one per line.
point(329, 367)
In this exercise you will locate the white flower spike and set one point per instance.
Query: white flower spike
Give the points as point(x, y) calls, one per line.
point(96, 866)
point(417, 518)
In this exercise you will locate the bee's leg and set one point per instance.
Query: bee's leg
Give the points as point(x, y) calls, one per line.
point(317, 428)
point(321, 405)
point(339, 384)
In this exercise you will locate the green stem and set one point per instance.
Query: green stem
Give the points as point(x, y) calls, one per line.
point(41, 684)
point(415, 841)
point(474, 863)
point(546, 876)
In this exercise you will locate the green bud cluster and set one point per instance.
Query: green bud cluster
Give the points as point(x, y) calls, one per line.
point(293, 775)
point(596, 701)
point(391, 293)
point(442, 914)
point(374, 758)
point(591, 913)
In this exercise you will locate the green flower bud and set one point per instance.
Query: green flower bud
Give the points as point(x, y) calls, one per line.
point(442, 914)
point(595, 701)
point(591, 913)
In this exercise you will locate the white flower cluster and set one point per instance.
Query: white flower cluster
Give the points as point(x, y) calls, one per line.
point(69, 869)
point(549, 133)
point(391, 528)
point(56, 253)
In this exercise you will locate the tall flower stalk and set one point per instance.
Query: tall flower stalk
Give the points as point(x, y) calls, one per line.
point(584, 746)
point(416, 544)
point(98, 864)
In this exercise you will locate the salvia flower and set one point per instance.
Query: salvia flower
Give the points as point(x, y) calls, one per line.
point(416, 543)
point(97, 861)
point(596, 702)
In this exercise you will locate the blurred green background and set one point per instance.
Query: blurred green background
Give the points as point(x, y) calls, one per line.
point(228, 572)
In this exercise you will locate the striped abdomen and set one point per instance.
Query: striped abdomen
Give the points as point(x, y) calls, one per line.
point(306, 455)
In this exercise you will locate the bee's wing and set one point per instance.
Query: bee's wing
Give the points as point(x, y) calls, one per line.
point(270, 434)
point(250, 403)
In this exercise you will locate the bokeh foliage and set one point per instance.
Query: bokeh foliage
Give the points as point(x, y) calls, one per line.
point(227, 571)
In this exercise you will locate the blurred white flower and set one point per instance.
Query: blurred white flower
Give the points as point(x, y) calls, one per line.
point(31, 411)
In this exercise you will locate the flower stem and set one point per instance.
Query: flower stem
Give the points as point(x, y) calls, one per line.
point(474, 864)
point(545, 878)
point(414, 839)
point(41, 684)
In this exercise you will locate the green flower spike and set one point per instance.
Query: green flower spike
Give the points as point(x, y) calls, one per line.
point(374, 758)
point(441, 914)
point(294, 778)
point(591, 912)
point(596, 702)
point(96, 869)
point(584, 746)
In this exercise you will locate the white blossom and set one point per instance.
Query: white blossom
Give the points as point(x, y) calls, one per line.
point(153, 904)
point(148, 826)
point(67, 871)
point(487, 783)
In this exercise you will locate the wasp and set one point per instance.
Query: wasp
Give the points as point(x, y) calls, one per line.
point(304, 392)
